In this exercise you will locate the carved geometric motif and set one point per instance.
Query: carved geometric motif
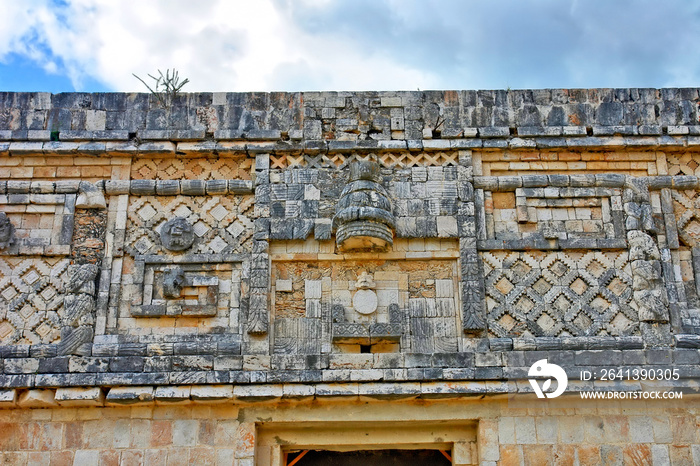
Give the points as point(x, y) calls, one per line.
point(686, 208)
point(540, 293)
point(685, 164)
point(221, 224)
point(205, 289)
point(31, 299)
point(200, 168)
point(387, 160)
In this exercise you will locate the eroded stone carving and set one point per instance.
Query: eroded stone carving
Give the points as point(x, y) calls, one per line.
point(365, 299)
point(7, 231)
point(647, 282)
point(90, 197)
point(637, 205)
point(173, 281)
point(364, 218)
point(77, 322)
point(177, 234)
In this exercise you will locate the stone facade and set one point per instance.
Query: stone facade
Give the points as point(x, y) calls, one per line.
point(183, 284)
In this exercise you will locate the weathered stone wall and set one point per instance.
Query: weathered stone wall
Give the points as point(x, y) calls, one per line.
point(233, 248)
point(507, 433)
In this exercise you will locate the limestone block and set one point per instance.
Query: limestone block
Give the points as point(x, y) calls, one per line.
point(172, 394)
point(90, 197)
point(462, 454)
point(312, 289)
point(211, 393)
point(75, 396)
point(255, 393)
point(389, 391)
point(283, 285)
point(298, 391)
point(130, 395)
point(38, 399)
point(8, 398)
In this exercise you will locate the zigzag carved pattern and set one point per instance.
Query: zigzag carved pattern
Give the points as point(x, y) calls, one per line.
point(388, 160)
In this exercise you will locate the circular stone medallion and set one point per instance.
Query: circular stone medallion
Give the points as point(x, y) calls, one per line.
point(365, 301)
point(177, 234)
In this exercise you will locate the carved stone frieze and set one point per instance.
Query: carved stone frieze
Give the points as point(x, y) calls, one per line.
point(416, 306)
point(195, 224)
point(195, 286)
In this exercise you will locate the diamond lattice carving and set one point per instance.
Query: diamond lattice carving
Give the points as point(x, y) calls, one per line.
point(31, 299)
point(542, 286)
point(222, 224)
point(683, 164)
point(238, 168)
point(524, 304)
point(686, 208)
point(542, 293)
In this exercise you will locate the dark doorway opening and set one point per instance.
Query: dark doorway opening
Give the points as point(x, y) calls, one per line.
point(369, 458)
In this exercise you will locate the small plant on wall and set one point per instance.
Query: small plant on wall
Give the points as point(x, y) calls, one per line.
point(167, 86)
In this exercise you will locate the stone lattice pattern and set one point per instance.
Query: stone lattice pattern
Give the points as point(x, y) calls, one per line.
point(187, 169)
point(222, 224)
point(31, 299)
point(538, 293)
point(387, 160)
point(686, 205)
point(683, 164)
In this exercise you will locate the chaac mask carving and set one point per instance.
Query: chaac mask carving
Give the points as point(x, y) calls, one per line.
point(364, 218)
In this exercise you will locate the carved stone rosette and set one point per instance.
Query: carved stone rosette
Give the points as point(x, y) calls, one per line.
point(364, 218)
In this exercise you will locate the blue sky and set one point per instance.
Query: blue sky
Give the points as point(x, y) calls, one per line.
point(296, 45)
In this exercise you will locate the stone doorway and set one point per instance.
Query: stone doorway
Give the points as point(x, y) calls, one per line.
point(338, 443)
point(369, 458)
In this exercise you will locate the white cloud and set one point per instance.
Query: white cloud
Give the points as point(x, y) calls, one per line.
point(265, 45)
point(218, 44)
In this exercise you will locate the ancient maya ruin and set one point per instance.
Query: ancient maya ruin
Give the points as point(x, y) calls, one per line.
point(268, 278)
